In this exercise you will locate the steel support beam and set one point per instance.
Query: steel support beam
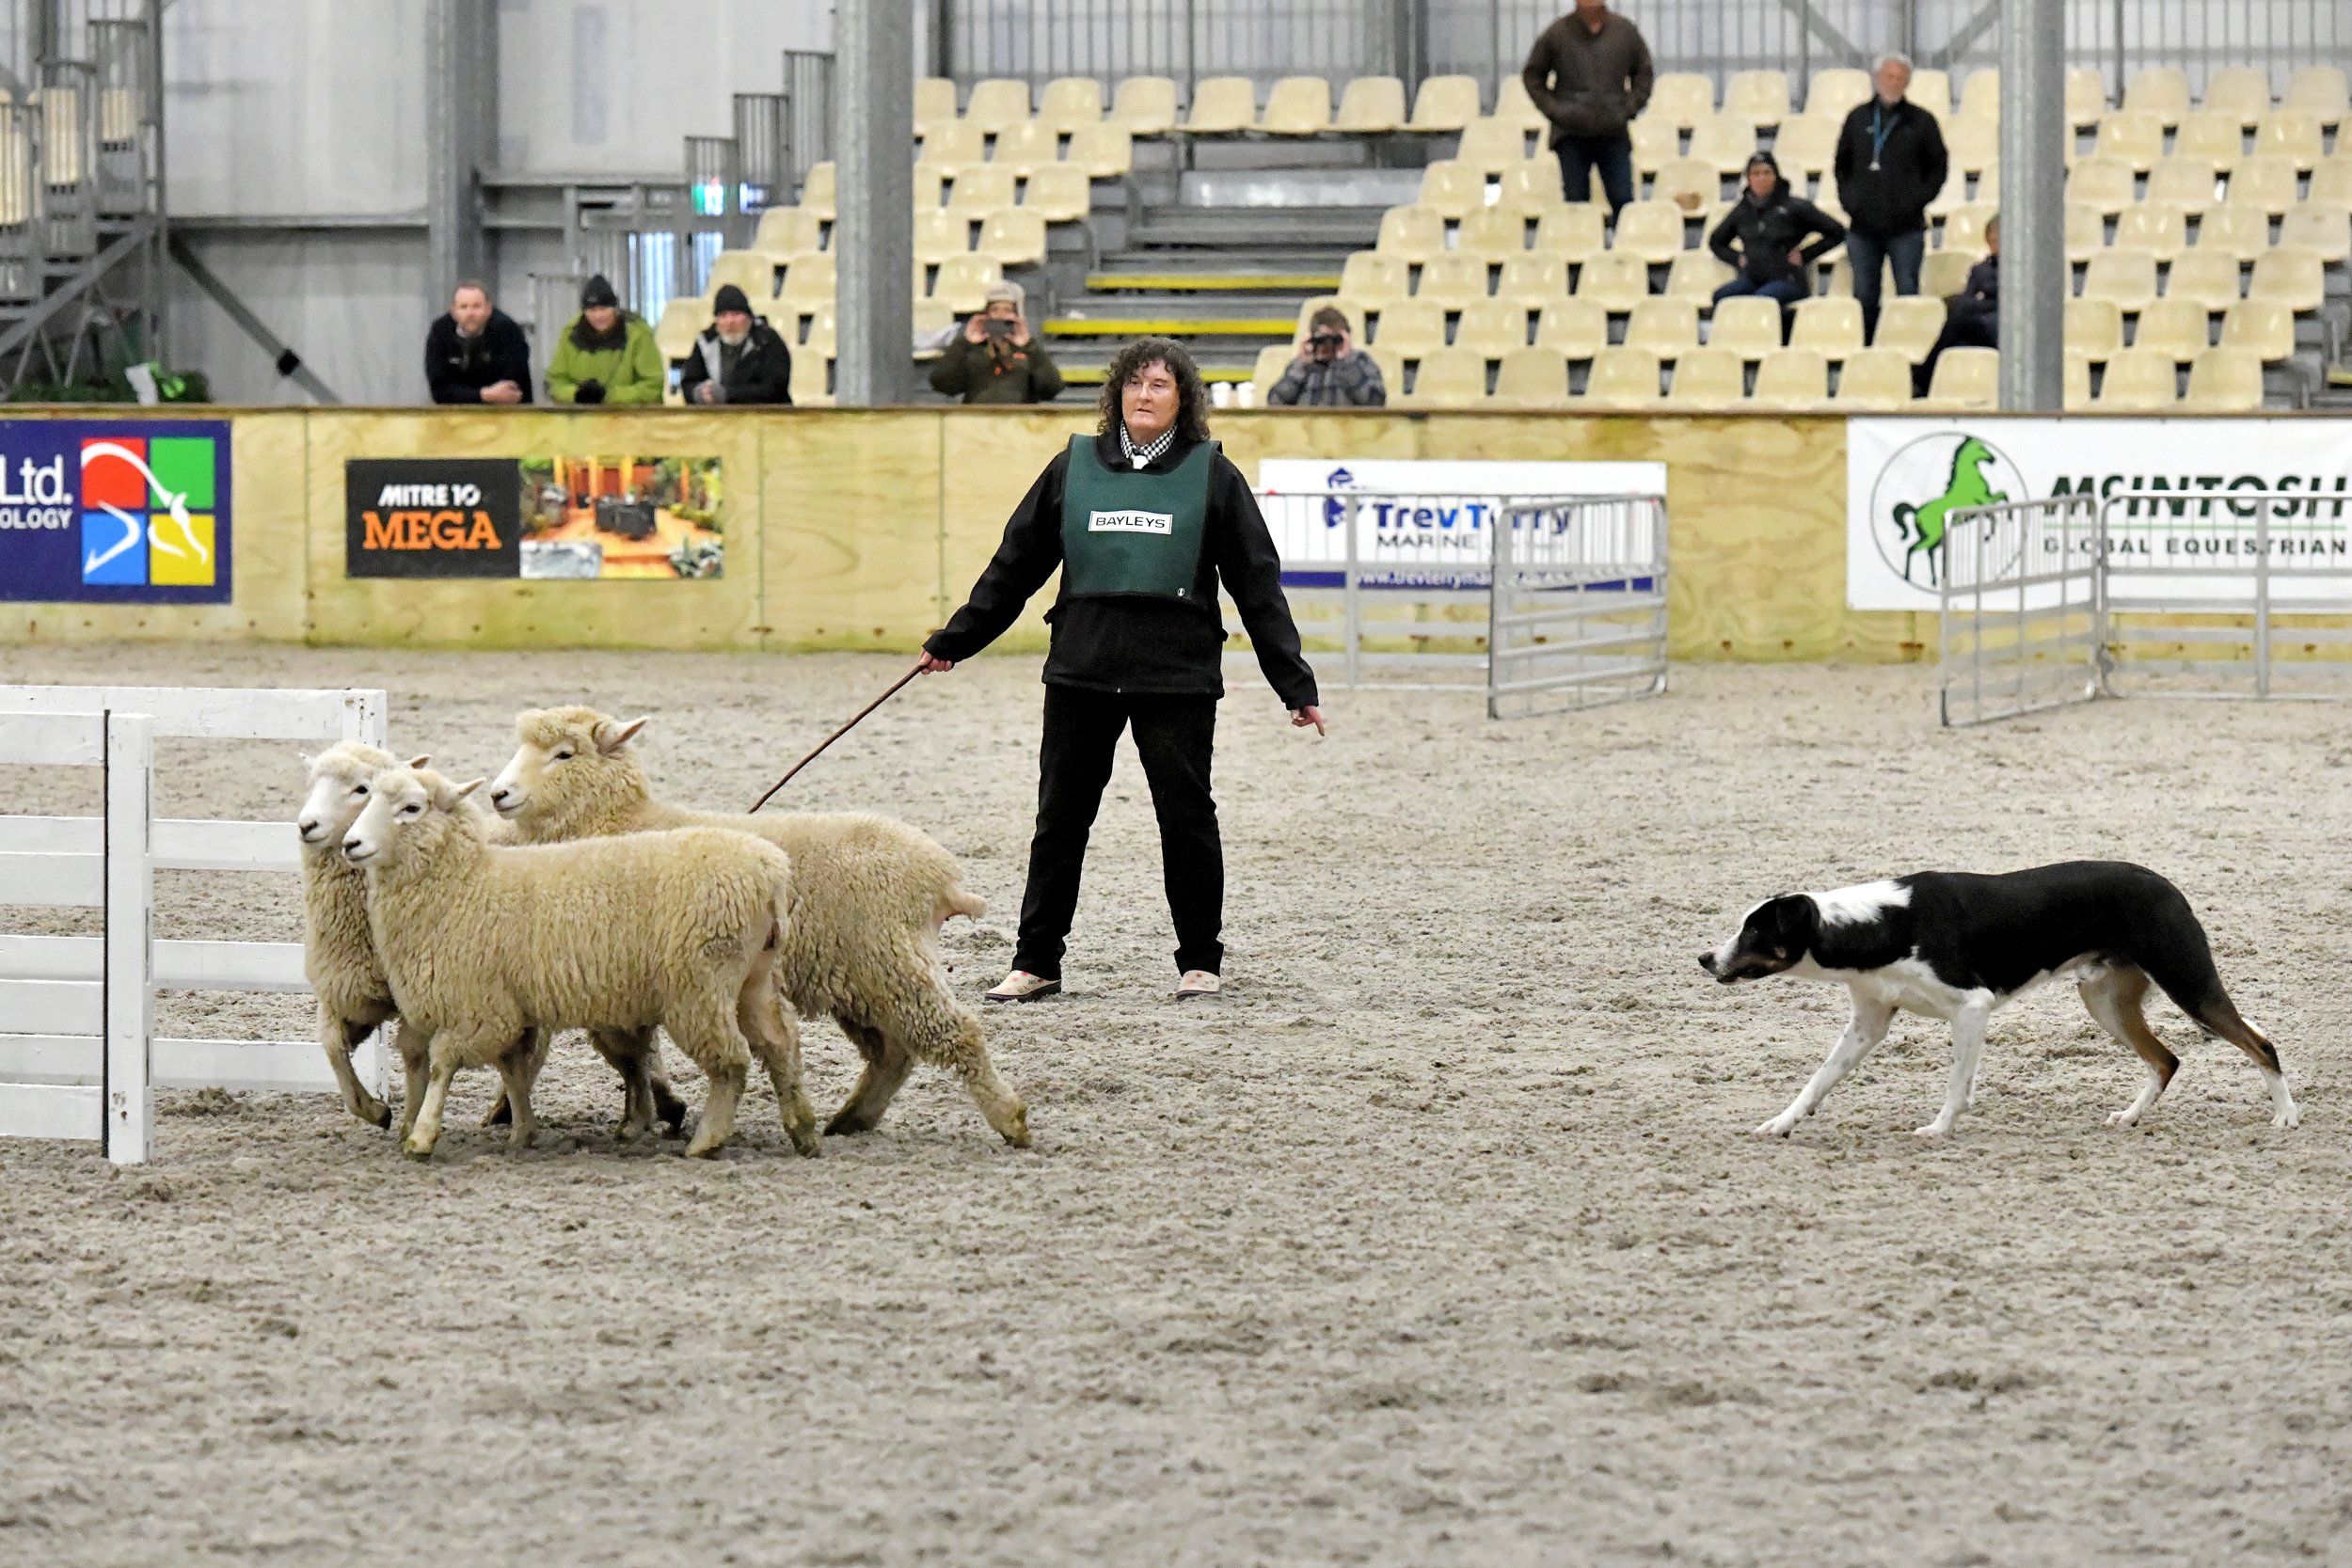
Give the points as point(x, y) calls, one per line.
point(874, 226)
point(289, 363)
point(461, 140)
point(2034, 271)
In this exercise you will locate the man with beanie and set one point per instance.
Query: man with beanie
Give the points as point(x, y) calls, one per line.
point(1590, 73)
point(994, 359)
point(606, 353)
point(741, 358)
point(476, 353)
point(1890, 164)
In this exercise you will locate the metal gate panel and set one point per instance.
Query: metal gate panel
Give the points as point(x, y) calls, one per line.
point(2022, 613)
point(1577, 614)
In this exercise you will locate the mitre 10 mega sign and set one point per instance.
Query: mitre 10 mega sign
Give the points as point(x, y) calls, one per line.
point(431, 517)
point(115, 512)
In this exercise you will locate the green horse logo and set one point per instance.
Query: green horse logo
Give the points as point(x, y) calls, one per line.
point(1923, 527)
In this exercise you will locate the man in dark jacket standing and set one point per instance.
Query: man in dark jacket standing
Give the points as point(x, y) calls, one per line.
point(738, 359)
point(1890, 164)
point(1590, 74)
point(476, 353)
point(1144, 518)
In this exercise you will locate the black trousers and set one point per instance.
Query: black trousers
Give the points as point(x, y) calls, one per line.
point(1175, 735)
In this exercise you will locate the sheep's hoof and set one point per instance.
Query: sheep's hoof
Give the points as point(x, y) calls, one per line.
point(701, 1151)
point(375, 1112)
point(805, 1142)
point(669, 1109)
point(420, 1155)
point(1016, 1128)
point(500, 1114)
point(521, 1137)
point(627, 1133)
point(846, 1123)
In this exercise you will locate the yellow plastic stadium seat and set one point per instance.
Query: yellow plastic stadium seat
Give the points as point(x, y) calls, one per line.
point(2094, 328)
point(1391, 370)
point(824, 330)
point(1272, 361)
point(682, 321)
point(752, 271)
point(1694, 177)
point(1491, 146)
point(1980, 98)
point(1221, 105)
point(1615, 279)
point(963, 281)
point(2264, 179)
point(1298, 106)
point(2132, 136)
point(1966, 378)
point(2074, 389)
point(1908, 326)
point(2263, 326)
point(1533, 377)
point(817, 191)
point(2140, 380)
point(1806, 144)
point(1963, 226)
point(1694, 276)
point(2179, 327)
point(2127, 276)
point(1492, 326)
point(1496, 232)
point(2294, 277)
point(1932, 91)
point(1945, 273)
point(2158, 227)
point(2225, 381)
point(1759, 97)
point(787, 231)
point(1953, 196)
point(1665, 326)
point(812, 380)
point(1841, 90)
point(2159, 90)
point(954, 143)
point(2322, 226)
point(1707, 378)
point(2290, 134)
point(981, 188)
point(2332, 182)
point(1534, 279)
point(1452, 188)
point(1531, 186)
point(1412, 327)
point(1145, 106)
point(1411, 233)
point(1682, 99)
point(934, 101)
point(2086, 231)
point(1449, 378)
point(1874, 381)
point(1650, 230)
point(1622, 377)
point(1452, 280)
point(1058, 194)
point(940, 233)
point(2213, 133)
point(1014, 236)
point(2238, 93)
point(1656, 142)
point(1106, 152)
point(1444, 104)
point(1794, 379)
point(2105, 183)
point(997, 105)
point(2193, 184)
point(1972, 144)
point(1745, 325)
point(2319, 89)
point(1374, 279)
point(1028, 147)
point(1829, 327)
point(1725, 140)
point(1070, 103)
point(808, 278)
point(2243, 232)
point(60, 155)
point(931, 182)
point(2086, 96)
point(1572, 233)
point(1578, 328)
point(1371, 104)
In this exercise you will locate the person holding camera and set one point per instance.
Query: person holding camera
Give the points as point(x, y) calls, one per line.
point(994, 359)
point(1331, 372)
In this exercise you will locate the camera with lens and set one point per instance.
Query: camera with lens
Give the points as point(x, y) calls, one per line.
point(1327, 344)
point(998, 328)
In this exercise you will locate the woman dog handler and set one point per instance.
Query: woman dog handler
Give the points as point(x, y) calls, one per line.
point(1144, 518)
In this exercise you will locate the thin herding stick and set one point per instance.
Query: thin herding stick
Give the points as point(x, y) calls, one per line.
point(838, 735)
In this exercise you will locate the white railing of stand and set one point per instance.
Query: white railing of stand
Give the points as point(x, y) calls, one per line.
point(2021, 622)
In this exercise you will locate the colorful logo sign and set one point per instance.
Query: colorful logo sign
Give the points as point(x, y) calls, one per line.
point(1921, 484)
point(114, 512)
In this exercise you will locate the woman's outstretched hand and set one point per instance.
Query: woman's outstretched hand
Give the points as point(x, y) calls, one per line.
point(1302, 717)
point(930, 665)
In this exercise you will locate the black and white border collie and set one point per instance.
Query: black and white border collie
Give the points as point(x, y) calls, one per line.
point(1949, 946)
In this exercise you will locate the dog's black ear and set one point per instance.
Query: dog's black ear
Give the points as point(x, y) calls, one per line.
point(1790, 923)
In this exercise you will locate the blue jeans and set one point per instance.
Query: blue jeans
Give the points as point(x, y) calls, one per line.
point(1866, 251)
point(1786, 289)
point(1580, 156)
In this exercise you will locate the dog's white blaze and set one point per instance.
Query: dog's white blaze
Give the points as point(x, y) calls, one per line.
point(1852, 906)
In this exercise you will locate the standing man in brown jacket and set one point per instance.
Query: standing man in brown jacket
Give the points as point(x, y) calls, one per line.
point(1590, 74)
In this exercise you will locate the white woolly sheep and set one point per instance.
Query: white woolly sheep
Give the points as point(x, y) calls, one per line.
point(868, 897)
point(338, 955)
point(482, 945)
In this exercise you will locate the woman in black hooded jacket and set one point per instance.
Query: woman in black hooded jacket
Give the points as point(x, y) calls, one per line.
point(1779, 233)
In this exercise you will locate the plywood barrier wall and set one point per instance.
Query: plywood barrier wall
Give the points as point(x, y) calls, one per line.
point(863, 530)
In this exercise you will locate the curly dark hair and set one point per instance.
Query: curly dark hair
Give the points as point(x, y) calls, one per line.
point(1192, 398)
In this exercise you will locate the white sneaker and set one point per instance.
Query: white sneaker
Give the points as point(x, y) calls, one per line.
point(1021, 986)
point(1200, 983)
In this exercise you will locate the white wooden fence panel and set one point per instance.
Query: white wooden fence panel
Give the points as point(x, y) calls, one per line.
point(52, 1059)
point(53, 1111)
point(53, 835)
point(53, 1007)
point(199, 846)
point(52, 959)
point(130, 1120)
point(217, 713)
point(63, 739)
point(282, 1067)
point(54, 881)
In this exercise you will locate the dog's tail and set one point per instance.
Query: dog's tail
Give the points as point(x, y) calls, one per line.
point(2179, 958)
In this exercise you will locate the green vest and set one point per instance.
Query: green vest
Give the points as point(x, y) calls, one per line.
point(1134, 533)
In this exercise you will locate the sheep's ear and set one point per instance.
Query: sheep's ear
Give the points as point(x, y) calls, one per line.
point(610, 737)
point(308, 761)
point(446, 794)
point(419, 762)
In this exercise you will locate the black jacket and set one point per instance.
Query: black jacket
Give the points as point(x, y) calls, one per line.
point(1766, 233)
point(1893, 198)
point(763, 371)
point(1589, 84)
point(456, 368)
point(1979, 299)
point(1131, 642)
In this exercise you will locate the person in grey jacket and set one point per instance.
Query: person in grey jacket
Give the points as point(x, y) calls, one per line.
point(1590, 73)
point(1329, 372)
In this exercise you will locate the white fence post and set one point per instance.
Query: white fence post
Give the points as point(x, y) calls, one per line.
point(130, 937)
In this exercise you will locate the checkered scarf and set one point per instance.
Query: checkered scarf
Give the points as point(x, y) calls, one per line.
point(1144, 456)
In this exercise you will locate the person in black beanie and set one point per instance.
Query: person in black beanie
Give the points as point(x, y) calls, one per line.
point(606, 353)
point(476, 353)
point(738, 359)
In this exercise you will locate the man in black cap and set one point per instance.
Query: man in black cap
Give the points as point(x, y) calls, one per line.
point(738, 359)
point(606, 353)
point(476, 353)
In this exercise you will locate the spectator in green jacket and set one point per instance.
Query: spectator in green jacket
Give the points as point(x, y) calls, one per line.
point(605, 354)
point(994, 359)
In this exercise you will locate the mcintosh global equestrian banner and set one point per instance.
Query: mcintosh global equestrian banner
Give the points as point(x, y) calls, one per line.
point(115, 511)
point(1905, 476)
point(642, 517)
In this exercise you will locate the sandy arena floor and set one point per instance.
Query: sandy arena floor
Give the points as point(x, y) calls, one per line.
point(1443, 1242)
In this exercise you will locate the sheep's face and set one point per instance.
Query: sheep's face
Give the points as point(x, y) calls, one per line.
point(557, 750)
point(402, 804)
point(340, 778)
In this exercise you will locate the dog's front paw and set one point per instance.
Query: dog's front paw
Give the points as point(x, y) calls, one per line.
point(2289, 1118)
point(1937, 1128)
point(2124, 1117)
point(1779, 1127)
